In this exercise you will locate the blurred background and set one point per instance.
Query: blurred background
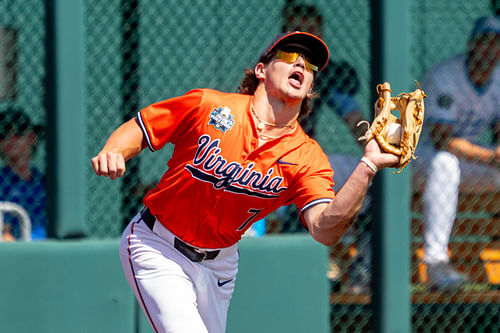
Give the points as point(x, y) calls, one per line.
point(131, 53)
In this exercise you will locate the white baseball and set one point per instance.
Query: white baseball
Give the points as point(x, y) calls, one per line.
point(393, 133)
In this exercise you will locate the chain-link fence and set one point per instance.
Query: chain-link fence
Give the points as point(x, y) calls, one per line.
point(22, 116)
point(186, 46)
point(140, 52)
point(455, 211)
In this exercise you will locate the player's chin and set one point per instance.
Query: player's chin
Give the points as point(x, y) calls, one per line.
point(296, 94)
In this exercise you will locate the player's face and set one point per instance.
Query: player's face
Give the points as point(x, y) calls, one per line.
point(485, 53)
point(18, 146)
point(287, 78)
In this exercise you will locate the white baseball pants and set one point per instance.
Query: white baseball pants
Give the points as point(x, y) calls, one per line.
point(176, 294)
point(444, 175)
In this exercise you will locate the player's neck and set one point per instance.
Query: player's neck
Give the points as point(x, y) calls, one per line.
point(275, 110)
point(272, 118)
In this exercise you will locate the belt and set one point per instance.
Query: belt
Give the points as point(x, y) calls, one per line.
point(192, 253)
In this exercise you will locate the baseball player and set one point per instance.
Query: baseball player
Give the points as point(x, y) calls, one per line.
point(237, 157)
point(463, 104)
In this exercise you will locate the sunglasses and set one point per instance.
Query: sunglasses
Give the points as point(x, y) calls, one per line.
point(290, 58)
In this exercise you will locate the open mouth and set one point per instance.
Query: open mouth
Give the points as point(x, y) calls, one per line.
point(296, 79)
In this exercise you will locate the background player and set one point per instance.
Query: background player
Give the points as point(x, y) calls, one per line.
point(463, 105)
point(237, 157)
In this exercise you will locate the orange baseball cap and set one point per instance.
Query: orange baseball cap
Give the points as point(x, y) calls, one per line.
point(316, 48)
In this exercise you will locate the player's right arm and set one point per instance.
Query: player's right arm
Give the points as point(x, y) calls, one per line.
point(124, 143)
point(462, 148)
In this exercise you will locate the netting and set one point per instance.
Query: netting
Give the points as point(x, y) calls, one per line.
point(186, 46)
point(458, 296)
point(22, 117)
point(141, 52)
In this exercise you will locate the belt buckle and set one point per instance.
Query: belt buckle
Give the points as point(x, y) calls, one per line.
point(203, 253)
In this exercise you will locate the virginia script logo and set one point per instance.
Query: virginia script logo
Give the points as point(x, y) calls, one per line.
point(211, 167)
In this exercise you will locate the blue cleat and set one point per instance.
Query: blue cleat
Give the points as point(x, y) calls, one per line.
point(442, 276)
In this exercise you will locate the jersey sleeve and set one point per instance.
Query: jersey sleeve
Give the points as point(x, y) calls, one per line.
point(315, 182)
point(168, 120)
point(440, 104)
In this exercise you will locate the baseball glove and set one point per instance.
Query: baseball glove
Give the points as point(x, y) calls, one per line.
point(398, 136)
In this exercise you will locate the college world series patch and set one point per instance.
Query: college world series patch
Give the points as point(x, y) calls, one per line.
point(221, 118)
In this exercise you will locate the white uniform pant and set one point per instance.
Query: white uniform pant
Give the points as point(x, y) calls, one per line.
point(176, 294)
point(444, 175)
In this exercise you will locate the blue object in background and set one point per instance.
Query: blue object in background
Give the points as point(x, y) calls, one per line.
point(258, 229)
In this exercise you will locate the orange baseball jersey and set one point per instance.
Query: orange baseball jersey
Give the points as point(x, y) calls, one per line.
point(219, 181)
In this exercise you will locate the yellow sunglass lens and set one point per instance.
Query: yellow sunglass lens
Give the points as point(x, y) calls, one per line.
point(290, 57)
point(287, 56)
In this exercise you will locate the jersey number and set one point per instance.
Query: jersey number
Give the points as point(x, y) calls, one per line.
point(254, 213)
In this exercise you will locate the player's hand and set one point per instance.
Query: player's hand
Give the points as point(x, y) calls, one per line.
point(378, 157)
point(109, 164)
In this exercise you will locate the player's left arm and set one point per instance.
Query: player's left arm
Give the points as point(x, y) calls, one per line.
point(328, 222)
